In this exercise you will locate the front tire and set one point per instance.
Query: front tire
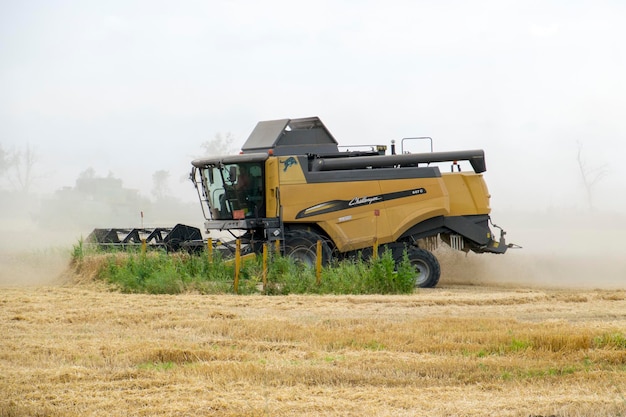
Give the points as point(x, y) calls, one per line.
point(301, 246)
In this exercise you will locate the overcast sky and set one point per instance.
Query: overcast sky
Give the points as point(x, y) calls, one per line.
point(132, 87)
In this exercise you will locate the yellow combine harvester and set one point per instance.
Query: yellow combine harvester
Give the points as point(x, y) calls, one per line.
point(291, 183)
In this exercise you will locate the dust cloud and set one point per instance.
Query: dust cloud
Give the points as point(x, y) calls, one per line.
point(28, 268)
point(37, 234)
point(33, 255)
point(560, 249)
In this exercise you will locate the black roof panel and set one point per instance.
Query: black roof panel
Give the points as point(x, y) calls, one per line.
point(291, 137)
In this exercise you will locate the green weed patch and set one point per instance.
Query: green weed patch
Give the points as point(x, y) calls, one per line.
point(159, 272)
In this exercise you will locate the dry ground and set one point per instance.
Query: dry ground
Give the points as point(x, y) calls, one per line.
point(465, 350)
point(538, 332)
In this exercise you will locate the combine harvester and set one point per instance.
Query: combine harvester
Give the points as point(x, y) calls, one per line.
point(292, 184)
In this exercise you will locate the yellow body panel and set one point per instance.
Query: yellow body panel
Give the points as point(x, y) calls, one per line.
point(406, 212)
point(468, 193)
point(353, 227)
point(290, 171)
point(271, 187)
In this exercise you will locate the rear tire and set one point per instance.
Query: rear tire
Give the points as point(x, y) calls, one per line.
point(301, 246)
point(428, 270)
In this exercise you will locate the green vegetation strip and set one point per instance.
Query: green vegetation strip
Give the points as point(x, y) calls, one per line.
point(158, 272)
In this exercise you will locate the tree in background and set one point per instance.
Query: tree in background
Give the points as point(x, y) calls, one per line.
point(4, 161)
point(591, 176)
point(160, 189)
point(219, 145)
point(18, 167)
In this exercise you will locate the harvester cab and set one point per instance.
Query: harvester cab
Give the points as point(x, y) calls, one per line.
point(234, 191)
point(291, 183)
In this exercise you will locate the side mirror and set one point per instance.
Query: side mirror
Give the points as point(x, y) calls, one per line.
point(232, 172)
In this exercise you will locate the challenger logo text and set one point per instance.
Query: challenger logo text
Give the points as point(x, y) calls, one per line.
point(359, 201)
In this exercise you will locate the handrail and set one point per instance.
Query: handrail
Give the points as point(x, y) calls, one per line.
point(419, 138)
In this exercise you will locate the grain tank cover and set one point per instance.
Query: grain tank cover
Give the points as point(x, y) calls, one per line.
point(291, 137)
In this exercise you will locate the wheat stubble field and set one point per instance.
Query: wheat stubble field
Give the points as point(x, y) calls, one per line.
point(73, 348)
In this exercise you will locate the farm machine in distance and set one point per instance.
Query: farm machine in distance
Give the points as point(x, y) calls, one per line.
point(292, 184)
